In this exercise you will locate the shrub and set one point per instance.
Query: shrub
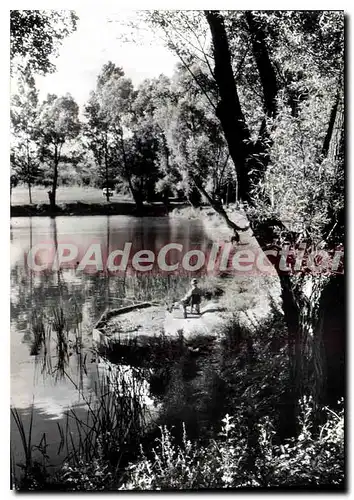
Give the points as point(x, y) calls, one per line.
point(186, 466)
point(311, 459)
point(85, 476)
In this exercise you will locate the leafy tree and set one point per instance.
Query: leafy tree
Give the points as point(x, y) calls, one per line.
point(106, 115)
point(58, 124)
point(35, 36)
point(190, 140)
point(302, 313)
point(97, 140)
point(282, 118)
point(143, 160)
point(152, 111)
point(24, 147)
point(196, 138)
point(120, 136)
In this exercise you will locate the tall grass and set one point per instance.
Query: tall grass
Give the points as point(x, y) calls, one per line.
point(38, 333)
point(160, 289)
point(26, 440)
point(55, 337)
point(60, 327)
point(116, 415)
point(34, 473)
point(116, 418)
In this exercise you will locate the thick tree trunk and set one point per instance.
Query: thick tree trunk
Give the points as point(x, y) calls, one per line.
point(306, 332)
point(194, 198)
point(329, 329)
point(229, 109)
point(265, 68)
point(138, 200)
point(135, 194)
point(320, 356)
point(330, 335)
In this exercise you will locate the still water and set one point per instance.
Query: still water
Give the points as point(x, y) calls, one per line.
point(38, 381)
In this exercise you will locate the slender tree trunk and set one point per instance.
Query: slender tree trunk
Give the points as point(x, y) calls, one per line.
point(107, 180)
point(135, 194)
point(166, 192)
point(334, 127)
point(106, 168)
point(52, 194)
point(29, 192)
point(28, 173)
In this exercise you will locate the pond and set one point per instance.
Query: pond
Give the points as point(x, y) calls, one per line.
point(43, 384)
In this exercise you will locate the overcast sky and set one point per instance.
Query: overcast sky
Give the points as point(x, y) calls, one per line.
point(97, 41)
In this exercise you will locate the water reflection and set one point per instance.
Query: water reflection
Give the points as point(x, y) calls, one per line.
point(75, 297)
point(52, 313)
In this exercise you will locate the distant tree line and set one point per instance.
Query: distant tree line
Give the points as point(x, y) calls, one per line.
point(152, 142)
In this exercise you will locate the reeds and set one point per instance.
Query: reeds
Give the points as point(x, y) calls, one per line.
point(38, 331)
point(116, 418)
point(33, 471)
point(116, 415)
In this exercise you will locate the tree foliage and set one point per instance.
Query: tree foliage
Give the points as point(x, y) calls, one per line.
point(119, 135)
point(279, 100)
point(35, 36)
point(24, 156)
point(58, 124)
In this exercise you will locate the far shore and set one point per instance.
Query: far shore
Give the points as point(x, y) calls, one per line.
point(78, 208)
point(76, 200)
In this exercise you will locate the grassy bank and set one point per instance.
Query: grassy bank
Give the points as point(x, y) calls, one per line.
point(65, 194)
point(73, 200)
point(80, 208)
point(76, 200)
